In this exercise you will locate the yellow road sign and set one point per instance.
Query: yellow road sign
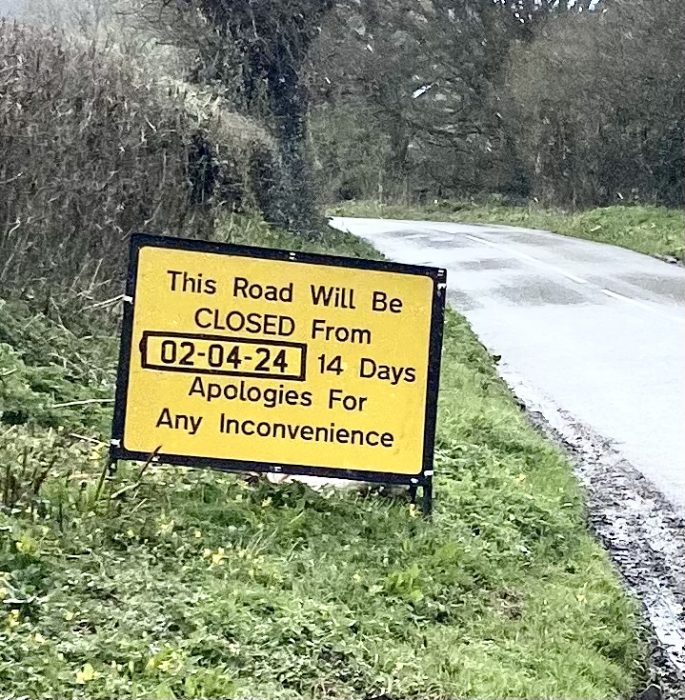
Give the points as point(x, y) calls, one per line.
point(249, 358)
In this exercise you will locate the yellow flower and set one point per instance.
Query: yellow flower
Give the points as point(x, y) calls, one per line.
point(39, 638)
point(166, 665)
point(267, 502)
point(166, 527)
point(86, 674)
point(413, 511)
point(218, 557)
point(68, 615)
point(26, 544)
point(357, 578)
point(198, 534)
point(521, 478)
point(580, 597)
point(13, 619)
point(165, 660)
point(95, 455)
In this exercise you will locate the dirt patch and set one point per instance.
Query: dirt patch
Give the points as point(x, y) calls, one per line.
point(643, 532)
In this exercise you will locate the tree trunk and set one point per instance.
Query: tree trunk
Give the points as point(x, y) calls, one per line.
point(288, 101)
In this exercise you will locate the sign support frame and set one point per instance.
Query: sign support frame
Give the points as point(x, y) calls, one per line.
point(424, 479)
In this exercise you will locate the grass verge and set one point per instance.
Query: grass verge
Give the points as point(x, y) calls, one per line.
point(646, 229)
point(168, 582)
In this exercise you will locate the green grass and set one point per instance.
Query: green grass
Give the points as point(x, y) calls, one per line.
point(647, 229)
point(168, 582)
point(241, 230)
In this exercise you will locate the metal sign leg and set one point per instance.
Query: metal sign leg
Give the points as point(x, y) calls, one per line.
point(427, 501)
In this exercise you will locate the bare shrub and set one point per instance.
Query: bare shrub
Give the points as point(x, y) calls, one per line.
point(93, 149)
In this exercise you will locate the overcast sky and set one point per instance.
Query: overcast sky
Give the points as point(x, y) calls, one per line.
point(10, 7)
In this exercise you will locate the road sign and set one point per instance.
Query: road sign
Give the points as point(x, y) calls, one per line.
point(240, 358)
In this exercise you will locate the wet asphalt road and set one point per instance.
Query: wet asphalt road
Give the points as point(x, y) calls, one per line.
point(595, 330)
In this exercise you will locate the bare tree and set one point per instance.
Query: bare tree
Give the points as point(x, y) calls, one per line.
point(602, 99)
point(430, 73)
point(256, 50)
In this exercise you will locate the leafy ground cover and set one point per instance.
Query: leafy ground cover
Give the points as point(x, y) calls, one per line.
point(165, 582)
point(647, 229)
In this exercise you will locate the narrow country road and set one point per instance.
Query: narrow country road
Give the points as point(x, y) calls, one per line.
point(594, 330)
point(592, 340)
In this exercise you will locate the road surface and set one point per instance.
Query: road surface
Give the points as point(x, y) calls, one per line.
point(596, 330)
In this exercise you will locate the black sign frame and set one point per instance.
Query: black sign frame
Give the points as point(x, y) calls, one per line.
point(424, 479)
